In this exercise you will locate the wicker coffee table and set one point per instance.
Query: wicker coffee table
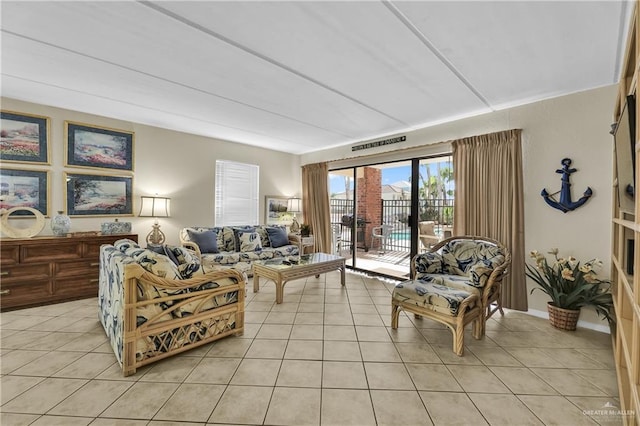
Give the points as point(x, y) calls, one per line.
point(280, 271)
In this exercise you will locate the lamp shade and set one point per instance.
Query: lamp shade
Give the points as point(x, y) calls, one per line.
point(155, 207)
point(294, 205)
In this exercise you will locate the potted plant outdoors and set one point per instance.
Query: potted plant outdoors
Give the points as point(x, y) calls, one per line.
point(305, 230)
point(570, 286)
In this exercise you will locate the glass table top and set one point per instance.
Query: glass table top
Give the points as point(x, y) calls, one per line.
point(293, 261)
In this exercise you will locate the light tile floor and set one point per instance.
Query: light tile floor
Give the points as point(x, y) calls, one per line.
point(326, 356)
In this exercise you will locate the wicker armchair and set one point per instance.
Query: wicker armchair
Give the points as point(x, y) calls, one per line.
point(455, 283)
point(151, 308)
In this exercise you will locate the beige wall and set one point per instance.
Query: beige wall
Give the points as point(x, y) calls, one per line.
point(181, 166)
point(172, 164)
point(574, 126)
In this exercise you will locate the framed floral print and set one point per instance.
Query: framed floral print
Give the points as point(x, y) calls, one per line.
point(24, 188)
point(98, 195)
point(24, 138)
point(98, 147)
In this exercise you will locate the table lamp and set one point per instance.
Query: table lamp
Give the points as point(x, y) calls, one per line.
point(155, 207)
point(294, 206)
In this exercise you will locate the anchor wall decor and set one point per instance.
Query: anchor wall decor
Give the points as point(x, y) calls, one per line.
point(565, 204)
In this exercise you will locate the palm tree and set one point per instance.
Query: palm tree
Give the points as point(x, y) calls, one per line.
point(347, 187)
point(446, 176)
point(433, 188)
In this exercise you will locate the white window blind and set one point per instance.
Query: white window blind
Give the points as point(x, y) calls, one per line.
point(236, 193)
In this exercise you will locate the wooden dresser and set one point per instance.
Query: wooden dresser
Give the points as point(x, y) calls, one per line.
point(42, 270)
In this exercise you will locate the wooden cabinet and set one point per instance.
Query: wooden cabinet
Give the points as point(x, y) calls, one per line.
point(38, 271)
point(625, 246)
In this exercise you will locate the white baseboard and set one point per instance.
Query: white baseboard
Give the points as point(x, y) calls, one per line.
point(583, 324)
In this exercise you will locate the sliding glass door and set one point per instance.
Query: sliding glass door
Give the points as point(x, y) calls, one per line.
point(372, 211)
point(435, 201)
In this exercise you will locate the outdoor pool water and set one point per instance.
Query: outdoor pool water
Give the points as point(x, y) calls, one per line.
point(405, 235)
point(401, 235)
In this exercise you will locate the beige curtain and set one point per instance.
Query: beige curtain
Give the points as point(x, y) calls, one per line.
point(315, 204)
point(489, 202)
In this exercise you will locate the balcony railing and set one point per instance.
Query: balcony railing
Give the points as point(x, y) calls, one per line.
point(395, 213)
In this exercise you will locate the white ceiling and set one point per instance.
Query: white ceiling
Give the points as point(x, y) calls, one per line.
point(304, 76)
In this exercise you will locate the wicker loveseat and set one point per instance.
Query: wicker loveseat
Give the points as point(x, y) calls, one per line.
point(154, 305)
point(236, 247)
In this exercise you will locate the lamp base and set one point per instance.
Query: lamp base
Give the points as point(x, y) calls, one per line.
point(295, 226)
point(156, 236)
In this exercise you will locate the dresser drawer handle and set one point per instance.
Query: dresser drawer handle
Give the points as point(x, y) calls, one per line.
point(4, 292)
point(95, 264)
point(4, 273)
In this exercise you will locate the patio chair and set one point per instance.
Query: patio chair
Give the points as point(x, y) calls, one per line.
point(382, 233)
point(427, 234)
point(336, 230)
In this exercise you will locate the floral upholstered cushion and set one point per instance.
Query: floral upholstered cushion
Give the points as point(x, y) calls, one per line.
point(188, 263)
point(429, 263)
point(264, 237)
point(228, 239)
point(237, 231)
point(458, 282)
point(231, 258)
point(480, 272)
point(155, 263)
point(464, 264)
point(164, 249)
point(249, 241)
point(432, 296)
point(460, 255)
point(125, 244)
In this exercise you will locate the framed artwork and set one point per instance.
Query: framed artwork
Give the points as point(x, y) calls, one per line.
point(276, 211)
point(24, 188)
point(98, 195)
point(98, 147)
point(24, 138)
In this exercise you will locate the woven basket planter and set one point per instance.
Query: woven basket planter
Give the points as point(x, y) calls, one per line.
point(563, 319)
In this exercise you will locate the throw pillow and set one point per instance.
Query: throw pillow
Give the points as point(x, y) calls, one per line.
point(184, 255)
point(264, 237)
point(236, 234)
point(227, 240)
point(188, 263)
point(163, 249)
point(157, 264)
point(206, 240)
point(125, 244)
point(277, 236)
point(249, 241)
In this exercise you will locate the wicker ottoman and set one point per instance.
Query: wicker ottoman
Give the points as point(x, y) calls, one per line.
point(449, 306)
